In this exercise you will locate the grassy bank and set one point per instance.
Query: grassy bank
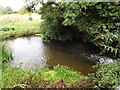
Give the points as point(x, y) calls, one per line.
point(16, 77)
point(18, 25)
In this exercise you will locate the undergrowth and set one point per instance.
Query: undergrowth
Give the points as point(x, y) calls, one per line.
point(64, 73)
point(107, 75)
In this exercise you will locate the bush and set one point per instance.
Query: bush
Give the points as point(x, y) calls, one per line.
point(107, 75)
point(96, 22)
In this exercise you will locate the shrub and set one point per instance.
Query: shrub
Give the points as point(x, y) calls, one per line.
point(107, 75)
point(96, 22)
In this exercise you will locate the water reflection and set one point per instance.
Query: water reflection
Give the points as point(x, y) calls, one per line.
point(31, 52)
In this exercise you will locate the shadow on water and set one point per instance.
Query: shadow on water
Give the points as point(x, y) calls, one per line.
point(32, 52)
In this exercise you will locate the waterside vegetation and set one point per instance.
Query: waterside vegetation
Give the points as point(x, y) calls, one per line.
point(95, 22)
point(73, 20)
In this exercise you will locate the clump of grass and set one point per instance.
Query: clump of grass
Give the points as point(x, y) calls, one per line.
point(5, 54)
point(64, 73)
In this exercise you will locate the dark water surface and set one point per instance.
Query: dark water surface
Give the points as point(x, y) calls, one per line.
point(32, 52)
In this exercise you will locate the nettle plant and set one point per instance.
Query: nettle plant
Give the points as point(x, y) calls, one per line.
point(96, 22)
point(107, 75)
point(61, 72)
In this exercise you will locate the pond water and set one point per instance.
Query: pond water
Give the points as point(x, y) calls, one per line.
point(32, 52)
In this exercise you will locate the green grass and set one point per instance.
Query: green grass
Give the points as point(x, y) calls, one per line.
point(16, 77)
point(21, 24)
point(5, 54)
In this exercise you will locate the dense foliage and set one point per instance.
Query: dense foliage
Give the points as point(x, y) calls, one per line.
point(107, 75)
point(64, 73)
point(96, 22)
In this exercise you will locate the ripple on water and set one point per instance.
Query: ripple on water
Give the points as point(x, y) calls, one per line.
point(32, 52)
